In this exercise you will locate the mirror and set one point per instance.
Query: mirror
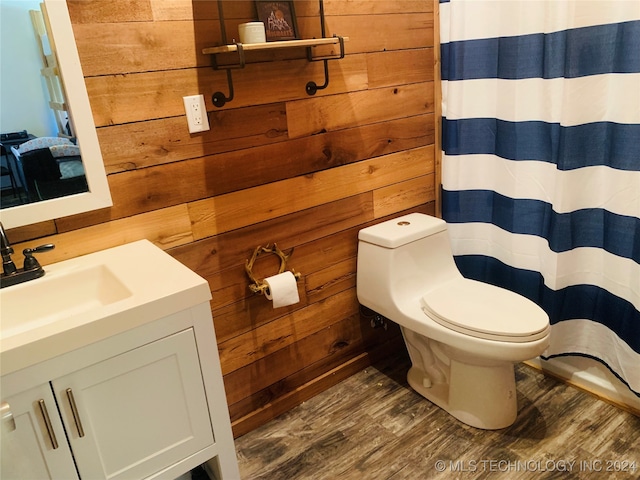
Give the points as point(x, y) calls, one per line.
point(62, 42)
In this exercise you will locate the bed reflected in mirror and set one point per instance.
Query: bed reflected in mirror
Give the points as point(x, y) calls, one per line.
point(42, 168)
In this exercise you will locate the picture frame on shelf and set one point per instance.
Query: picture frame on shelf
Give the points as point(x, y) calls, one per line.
point(279, 19)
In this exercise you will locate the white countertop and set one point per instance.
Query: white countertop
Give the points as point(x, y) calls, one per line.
point(156, 286)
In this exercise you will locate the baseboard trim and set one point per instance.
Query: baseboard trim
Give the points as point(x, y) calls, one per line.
point(295, 397)
point(304, 392)
point(583, 381)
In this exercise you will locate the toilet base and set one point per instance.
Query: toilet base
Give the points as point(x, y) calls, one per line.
point(480, 396)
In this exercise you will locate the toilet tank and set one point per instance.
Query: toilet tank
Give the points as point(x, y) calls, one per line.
point(401, 231)
point(401, 259)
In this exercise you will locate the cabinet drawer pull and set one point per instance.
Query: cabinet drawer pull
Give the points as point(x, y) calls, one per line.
point(47, 423)
point(74, 411)
point(8, 422)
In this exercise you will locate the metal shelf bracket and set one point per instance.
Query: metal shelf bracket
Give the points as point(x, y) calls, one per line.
point(312, 87)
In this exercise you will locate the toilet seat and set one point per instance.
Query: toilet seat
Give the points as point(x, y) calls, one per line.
point(485, 311)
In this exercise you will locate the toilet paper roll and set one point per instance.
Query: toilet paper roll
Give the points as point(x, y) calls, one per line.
point(283, 289)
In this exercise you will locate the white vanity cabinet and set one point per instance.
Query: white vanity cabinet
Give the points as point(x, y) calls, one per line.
point(128, 407)
point(143, 400)
point(133, 414)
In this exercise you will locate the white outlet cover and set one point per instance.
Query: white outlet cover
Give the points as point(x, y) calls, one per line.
point(196, 111)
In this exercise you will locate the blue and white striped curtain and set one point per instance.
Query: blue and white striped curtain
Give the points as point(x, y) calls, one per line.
point(541, 163)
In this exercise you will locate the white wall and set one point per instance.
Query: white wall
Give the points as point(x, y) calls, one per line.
point(23, 94)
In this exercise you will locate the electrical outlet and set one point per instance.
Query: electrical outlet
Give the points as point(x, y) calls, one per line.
point(196, 112)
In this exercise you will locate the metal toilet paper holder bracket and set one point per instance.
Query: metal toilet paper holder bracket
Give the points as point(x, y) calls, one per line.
point(257, 286)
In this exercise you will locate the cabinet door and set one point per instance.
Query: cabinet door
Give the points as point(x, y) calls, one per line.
point(137, 413)
point(33, 443)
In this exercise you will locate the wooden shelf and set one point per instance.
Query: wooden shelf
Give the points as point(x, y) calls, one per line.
point(312, 42)
point(219, 99)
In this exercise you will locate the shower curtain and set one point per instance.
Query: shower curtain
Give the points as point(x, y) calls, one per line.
point(541, 163)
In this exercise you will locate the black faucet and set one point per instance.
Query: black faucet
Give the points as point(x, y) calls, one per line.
point(11, 275)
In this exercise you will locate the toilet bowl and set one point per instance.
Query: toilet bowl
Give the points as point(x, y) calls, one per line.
point(463, 336)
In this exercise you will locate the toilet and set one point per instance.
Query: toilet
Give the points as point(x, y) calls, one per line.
point(463, 336)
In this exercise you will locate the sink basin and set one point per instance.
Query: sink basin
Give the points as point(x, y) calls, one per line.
point(33, 304)
point(90, 298)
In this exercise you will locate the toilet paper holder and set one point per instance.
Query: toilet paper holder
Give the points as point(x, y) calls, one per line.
point(257, 286)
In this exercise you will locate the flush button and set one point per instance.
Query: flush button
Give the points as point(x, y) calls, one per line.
point(404, 223)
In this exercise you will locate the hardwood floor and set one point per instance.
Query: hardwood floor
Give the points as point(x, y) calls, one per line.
point(373, 426)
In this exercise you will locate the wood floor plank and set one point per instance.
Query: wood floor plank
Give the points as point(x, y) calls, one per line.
point(373, 426)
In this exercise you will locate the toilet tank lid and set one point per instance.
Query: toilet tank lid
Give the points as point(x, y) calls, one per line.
point(402, 230)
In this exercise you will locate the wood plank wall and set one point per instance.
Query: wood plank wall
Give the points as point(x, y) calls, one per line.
point(276, 166)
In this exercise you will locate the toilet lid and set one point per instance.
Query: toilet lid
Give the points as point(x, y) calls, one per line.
point(485, 311)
